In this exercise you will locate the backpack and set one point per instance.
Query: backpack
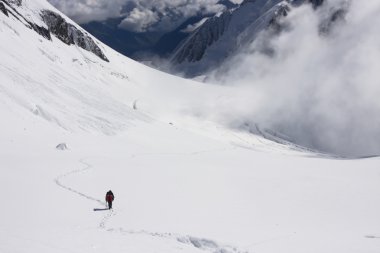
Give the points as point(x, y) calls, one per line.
point(109, 196)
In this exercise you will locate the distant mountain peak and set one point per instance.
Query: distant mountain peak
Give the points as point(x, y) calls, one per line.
point(222, 35)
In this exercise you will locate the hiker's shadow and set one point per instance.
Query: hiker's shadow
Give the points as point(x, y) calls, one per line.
point(100, 209)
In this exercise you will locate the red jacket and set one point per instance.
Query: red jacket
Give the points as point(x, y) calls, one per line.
point(109, 197)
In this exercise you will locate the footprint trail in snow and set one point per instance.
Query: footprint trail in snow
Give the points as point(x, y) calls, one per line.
point(199, 243)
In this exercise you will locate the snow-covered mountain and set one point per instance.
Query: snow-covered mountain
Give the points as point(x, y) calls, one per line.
point(145, 45)
point(223, 35)
point(79, 119)
point(139, 45)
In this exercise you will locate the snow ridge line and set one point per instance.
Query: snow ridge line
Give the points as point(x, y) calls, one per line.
point(60, 184)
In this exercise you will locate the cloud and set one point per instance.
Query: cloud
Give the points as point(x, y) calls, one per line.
point(236, 1)
point(319, 90)
point(140, 15)
point(191, 28)
point(140, 20)
point(84, 11)
point(166, 15)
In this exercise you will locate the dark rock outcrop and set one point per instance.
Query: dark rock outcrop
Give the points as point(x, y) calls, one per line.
point(16, 2)
point(62, 146)
point(316, 3)
point(11, 10)
point(56, 24)
point(3, 9)
point(69, 34)
point(41, 30)
point(193, 49)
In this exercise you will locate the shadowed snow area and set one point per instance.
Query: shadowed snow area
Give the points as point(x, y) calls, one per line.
point(183, 181)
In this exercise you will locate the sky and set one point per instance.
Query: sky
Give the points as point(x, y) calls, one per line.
point(140, 15)
point(320, 90)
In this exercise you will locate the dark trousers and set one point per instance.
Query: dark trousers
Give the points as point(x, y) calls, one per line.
point(109, 204)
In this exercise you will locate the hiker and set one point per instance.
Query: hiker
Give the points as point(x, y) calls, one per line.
point(109, 198)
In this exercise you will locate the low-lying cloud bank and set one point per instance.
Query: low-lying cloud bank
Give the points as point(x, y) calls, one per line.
point(315, 84)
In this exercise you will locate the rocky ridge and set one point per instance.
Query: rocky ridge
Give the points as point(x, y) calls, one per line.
point(222, 35)
point(56, 25)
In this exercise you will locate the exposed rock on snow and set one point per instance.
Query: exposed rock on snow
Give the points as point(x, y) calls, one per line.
point(3, 9)
point(61, 146)
point(56, 24)
point(41, 31)
point(15, 2)
point(69, 34)
point(8, 9)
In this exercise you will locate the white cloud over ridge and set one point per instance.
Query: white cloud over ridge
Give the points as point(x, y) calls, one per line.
point(320, 91)
point(145, 15)
point(84, 11)
point(191, 28)
point(140, 20)
point(166, 15)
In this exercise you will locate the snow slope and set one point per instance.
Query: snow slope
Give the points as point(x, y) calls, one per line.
point(182, 182)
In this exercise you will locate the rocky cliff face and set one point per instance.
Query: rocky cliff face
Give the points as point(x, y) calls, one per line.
point(55, 24)
point(222, 35)
point(3, 9)
point(69, 34)
point(194, 48)
point(9, 7)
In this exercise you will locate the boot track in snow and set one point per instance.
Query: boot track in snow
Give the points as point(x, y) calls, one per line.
point(199, 243)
